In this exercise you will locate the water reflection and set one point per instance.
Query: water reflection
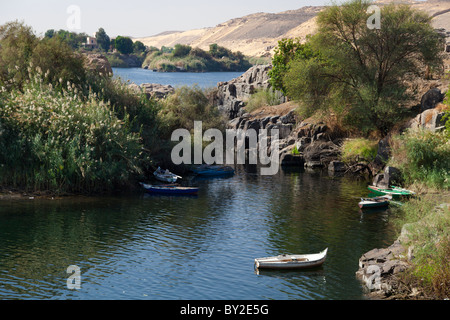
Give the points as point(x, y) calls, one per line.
point(157, 247)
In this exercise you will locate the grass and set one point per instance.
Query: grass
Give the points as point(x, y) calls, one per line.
point(359, 149)
point(262, 98)
point(428, 230)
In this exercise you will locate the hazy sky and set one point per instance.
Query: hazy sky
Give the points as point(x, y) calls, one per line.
point(137, 18)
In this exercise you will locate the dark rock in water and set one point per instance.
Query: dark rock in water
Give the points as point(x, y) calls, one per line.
point(154, 90)
point(336, 166)
point(289, 159)
point(430, 99)
point(320, 152)
point(313, 164)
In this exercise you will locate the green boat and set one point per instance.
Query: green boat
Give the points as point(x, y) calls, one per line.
point(395, 192)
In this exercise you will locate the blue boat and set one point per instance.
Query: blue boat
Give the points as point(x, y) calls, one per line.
point(213, 170)
point(169, 189)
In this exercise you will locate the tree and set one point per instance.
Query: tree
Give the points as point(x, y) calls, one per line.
point(360, 72)
point(103, 39)
point(17, 42)
point(139, 47)
point(181, 50)
point(59, 62)
point(49, 33)
point(287, 50)
point(124, 45)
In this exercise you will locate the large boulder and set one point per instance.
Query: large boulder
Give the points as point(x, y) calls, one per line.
point(430, 99)
point(383, 154)
point(430, 119)
point(389, 177)
point(99, 63)
point(153, 90)
point(320, 153)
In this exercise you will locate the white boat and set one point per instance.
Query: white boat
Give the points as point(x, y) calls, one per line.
point(295, 261)
point(165, 176)
point(376, 202)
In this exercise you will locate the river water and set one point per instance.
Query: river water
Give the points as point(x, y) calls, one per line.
point(175, 79)
point(137, 246)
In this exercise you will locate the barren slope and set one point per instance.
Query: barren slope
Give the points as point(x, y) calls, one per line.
point(257, 34)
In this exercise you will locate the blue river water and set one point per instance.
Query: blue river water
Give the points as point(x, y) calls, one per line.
point(175, 79)
point(142, 247)
point(138, 247)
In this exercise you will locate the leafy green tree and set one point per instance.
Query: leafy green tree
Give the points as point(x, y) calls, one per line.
point(50, 33)
point(219, 52)
point(181, 50)
point(139, 47)
point(58, 62)
point(287, 50)
point(361, 72)
point(103, 40)
point(124, 45)
point(17, 42)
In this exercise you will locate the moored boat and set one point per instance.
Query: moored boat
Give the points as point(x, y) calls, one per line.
point(295, 261)
point(377, 202)
point(165, 176)
point(394, 192)
point(169, 189)
point(213, 170)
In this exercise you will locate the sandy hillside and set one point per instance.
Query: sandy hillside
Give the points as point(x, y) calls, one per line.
point(258, 34)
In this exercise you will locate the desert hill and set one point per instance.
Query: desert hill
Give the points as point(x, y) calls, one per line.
point(257, 34)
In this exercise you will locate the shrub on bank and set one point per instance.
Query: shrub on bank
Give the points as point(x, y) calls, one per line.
point(428, 229)
point(52, 139)
point(423, 157)
point(262, 98)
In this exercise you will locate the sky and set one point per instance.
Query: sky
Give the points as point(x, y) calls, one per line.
point(137, 18)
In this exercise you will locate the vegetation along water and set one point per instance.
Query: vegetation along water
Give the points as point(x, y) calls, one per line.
point(76, 141)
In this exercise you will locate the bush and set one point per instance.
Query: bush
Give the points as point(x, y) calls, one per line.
point(186, 105)
point(181, 50)
point(424, 157)
point(58, 62)
point(17, 43)
point(52, 139)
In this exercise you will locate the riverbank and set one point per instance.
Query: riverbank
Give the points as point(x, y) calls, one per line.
point(399, 271)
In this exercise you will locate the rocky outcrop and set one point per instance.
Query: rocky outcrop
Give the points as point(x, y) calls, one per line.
point(378, 268)
point(154, 90)
point(99, 63)
point(231, 95)
point(430, 99)
point(389, 177)
point(431, 119)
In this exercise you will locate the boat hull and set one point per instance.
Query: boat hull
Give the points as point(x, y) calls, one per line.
point(371, 203)
point(289, 262)
point(211, 171)
point(168, 177)
point(165, 190)
point(395, 193)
